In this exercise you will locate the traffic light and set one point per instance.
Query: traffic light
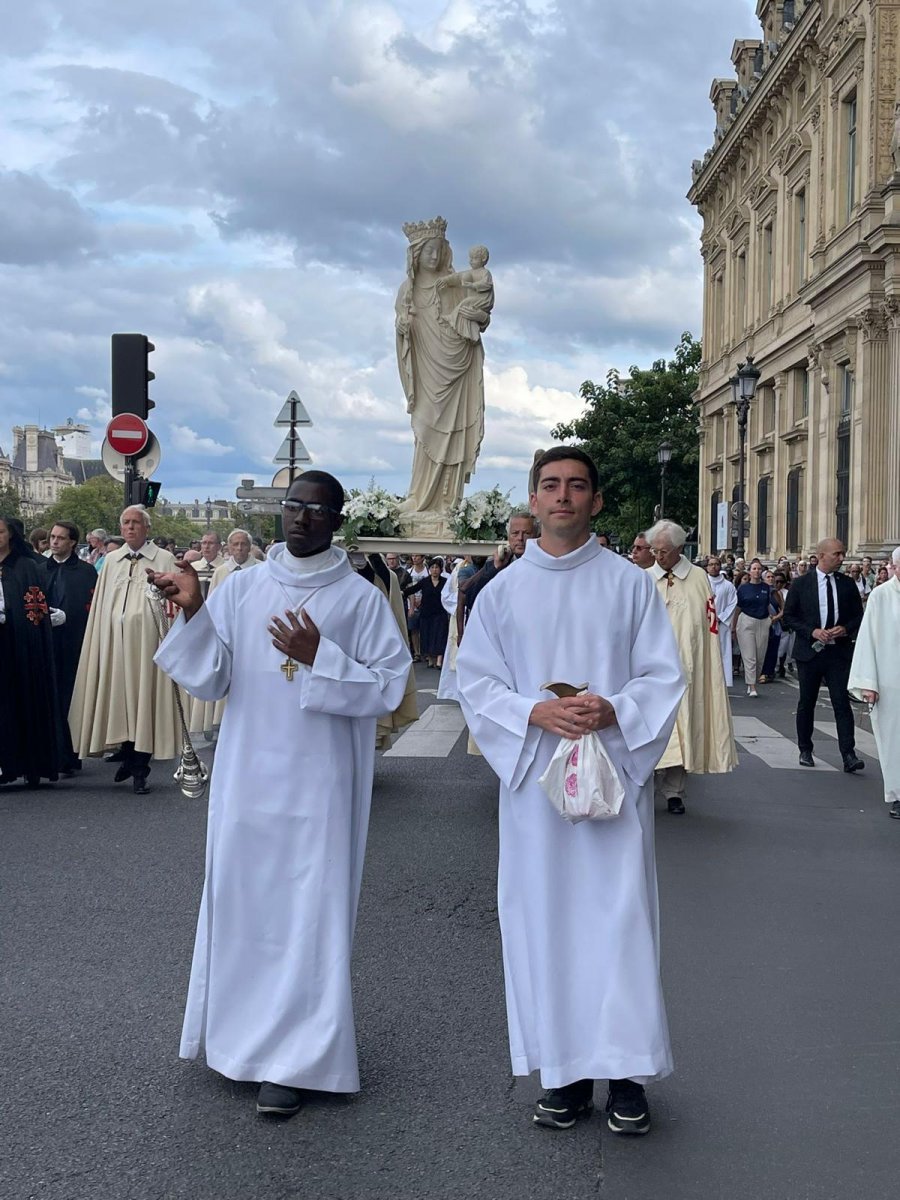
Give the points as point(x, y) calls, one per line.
point(131, 374)
point(145, 491)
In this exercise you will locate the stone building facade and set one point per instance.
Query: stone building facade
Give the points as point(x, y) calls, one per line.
point(35, 469)
point(800, 200)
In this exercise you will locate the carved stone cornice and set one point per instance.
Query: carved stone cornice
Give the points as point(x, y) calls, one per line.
point(756, 108)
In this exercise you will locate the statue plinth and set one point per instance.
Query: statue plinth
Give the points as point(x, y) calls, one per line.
point(429, 526)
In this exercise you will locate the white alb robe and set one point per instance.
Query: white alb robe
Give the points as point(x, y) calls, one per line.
point(577, 903)
point(205, 716)
point(876, 668)
point(447, 689)
point(269, 995)
point(725, 595)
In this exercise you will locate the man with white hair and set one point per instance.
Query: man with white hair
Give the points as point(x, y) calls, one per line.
point(205, 716)
point(702, 741)
point(641, 554)
point(875, 677)
point(121, 698)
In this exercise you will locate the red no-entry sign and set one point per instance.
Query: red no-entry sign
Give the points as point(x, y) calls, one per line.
point(127, 434)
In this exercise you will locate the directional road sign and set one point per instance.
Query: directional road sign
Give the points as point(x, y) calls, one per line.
point(300, 452)
point(127, 434)
point(294, 411)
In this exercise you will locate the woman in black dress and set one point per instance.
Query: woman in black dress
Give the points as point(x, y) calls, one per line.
point(30, 723)
point(434, 620)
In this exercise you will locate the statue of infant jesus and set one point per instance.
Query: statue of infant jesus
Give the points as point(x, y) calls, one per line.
point(472, 315)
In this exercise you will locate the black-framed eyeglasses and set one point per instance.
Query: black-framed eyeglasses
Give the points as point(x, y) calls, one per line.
point(293, 508)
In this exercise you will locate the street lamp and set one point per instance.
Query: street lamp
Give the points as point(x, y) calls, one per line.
point(208, 513)
point(743, 389)
point(663, 457)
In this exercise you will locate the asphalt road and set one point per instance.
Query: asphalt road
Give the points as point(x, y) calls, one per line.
point(779, 961)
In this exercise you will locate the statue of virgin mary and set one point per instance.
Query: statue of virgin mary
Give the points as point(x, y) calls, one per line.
point(443, 379)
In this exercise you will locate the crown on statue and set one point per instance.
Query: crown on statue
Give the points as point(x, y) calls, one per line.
point(418, 231)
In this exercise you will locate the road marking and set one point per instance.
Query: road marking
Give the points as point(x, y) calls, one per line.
point(772, 747)
point(865, 741)
point(433, 736)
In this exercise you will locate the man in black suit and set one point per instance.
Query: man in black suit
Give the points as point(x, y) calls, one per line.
point(824, 608)
point(70, 589)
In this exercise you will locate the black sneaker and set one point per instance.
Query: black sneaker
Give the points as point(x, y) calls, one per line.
point(627, 1109)
point(561, 1107)
point(278, 1100)
point(894, 810)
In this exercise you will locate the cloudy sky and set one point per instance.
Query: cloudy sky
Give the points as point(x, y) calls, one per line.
point(232, 181)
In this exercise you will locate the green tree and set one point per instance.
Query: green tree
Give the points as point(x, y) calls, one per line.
point(94, 504)
point(10, 505)
point(621, 428)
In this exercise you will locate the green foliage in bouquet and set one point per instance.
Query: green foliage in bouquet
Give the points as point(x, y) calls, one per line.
point(481, 517)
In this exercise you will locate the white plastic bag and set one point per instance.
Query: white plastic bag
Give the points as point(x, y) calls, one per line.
point(582, 782)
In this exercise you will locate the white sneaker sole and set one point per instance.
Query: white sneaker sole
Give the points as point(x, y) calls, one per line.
point(630, 1126)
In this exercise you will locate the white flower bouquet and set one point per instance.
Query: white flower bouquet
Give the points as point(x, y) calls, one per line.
point(370, 513)
point(481, 517)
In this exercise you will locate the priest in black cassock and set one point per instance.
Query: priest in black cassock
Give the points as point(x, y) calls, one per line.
point(30, 725)
point(69, 591)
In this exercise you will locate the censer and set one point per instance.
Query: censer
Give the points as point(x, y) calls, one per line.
point(192, 775)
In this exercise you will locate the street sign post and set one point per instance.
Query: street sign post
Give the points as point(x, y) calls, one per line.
point(144, 467)
point(292, 451)
point(293, 412)
point(127, 434)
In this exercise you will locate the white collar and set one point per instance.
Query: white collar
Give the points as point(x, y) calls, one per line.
point(681, 570)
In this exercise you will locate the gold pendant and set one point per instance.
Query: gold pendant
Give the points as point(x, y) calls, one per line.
point(288, 669)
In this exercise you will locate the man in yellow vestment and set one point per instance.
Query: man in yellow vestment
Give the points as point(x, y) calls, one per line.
point(121, 698)
point(702, 742)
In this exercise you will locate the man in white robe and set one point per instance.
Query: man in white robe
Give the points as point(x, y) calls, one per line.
point(725, 596)
point(875, 677)
point(205, 716)
point(269, 997)
point(577, 903)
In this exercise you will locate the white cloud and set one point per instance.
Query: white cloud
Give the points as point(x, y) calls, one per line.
point(190, 442)
point(236, 191)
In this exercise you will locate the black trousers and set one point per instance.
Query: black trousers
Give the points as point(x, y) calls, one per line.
point(138, 760)
point(834, 671)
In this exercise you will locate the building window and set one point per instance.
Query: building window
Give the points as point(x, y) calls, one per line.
point(800, 235)
point(803, 407)
point(719, 313)
point(846, 397)
point(719, 441)
point(768, 266)
point(742, 291)
point(850, 152)
point(794, 510)
point(714, 502)
point(842, 504)
point(762, 515)
point(768, 412)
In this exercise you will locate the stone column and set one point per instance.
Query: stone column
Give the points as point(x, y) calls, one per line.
point(891, 530)
point(778, 499)
point(818, 400)
point(877, 471)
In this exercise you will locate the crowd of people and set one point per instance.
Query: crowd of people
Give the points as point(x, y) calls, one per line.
point(306, 652)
